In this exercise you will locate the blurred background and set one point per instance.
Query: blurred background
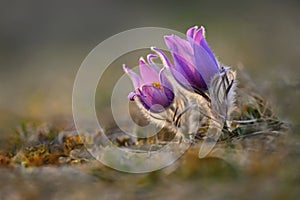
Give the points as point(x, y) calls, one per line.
point(42, 44)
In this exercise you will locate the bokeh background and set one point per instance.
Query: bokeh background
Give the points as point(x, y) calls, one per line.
point(42, 44)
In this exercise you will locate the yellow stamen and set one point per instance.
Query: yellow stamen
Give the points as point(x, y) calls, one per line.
point(158, 85)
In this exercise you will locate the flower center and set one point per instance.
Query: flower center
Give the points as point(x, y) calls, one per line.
point(158, 86)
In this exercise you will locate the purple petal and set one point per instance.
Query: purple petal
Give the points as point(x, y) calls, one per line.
point(190, 33)
point(152, 96)
point(136, 80)
point(165, 60)
point(164, 80)
point(131, 96)
point(180, 47)
point(199, 35)
point(169, 94)
point(181, 79)
point(149, 75)
point(190, 73)
point(205, 63)
point(150, 58)
point(204, 44)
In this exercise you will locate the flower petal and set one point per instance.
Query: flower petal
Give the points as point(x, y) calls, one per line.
point(190, 33)
point(181, 79)
point(205, 63)
point(165, 60)
point(169, 94)
point(199, 35)
point(190, 73)
point(180, 47)
point(149, 75)
point(150, 58)
point(198, 38)
point(131, 96)
point(164, 80)
point(152, 96)
point(135, 78)
point(204, 44)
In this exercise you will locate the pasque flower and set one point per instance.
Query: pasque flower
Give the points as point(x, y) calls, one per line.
point(194, 63)
point(152, 88)
point(196, 68)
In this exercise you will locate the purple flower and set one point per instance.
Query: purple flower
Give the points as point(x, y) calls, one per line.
point(153, 89)
point(194, 62)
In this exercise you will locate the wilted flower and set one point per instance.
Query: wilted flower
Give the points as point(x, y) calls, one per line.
point(152, 89)
point(194, 63)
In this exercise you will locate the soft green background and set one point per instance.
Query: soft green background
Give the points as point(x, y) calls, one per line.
point(42, 44)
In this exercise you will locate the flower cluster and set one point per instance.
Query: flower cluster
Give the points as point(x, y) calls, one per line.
point(196, 70)
point(153, 89)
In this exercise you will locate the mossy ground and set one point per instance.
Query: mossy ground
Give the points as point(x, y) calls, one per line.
point(259, 159)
